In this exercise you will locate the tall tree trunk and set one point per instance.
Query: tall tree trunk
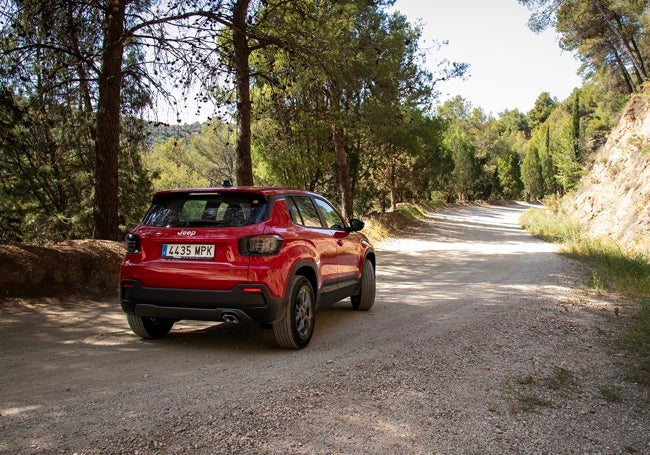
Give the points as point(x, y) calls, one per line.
point(105, 210)
point(639, 56)
point(244, 167)
point(622, 69)
point(575, 133)
point(343, 172)
point(393, 188)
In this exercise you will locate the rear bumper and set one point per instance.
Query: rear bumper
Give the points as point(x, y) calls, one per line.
point(252, 302)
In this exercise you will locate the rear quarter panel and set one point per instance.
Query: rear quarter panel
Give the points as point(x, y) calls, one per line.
point(299, 247)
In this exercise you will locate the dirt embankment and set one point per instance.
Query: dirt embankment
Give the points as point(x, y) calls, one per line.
point(74, 266)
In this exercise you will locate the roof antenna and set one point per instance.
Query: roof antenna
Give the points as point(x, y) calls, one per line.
point(227, 183)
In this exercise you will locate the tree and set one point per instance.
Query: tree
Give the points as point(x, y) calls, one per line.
point(546, 158)
point(49, 50)
point(359, 79)
point(181, 38)
point(43, 173)
point(293, 142)
point(575, 130)
point(461, 147)
point(200, 160)
point(475, 143)
point(544, 105)
point(531, 173)
point(607, 35)
point(509, 173)
point(107, 139)
point(513, 122)
point(466, 168)
point(567, 167)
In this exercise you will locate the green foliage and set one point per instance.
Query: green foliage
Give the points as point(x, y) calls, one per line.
point(544, 105)
point(466, 166)
point(485, 153)
point(509, 173)
point(44, 172)
point(134, 181)
point(411, 212)
point(292, 146)
point(377, 102)
point(625, 272)
point(532, 176)
point(566, 140)
point(46, 157)
point(157, 132)
point(200, 160)
point(599, 109)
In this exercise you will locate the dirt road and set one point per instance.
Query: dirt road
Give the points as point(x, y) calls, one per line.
point(481, 341)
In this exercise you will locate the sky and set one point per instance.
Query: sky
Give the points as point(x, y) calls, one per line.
point(509, 64)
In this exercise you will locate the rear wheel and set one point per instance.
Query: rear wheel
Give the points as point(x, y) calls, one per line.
point(295, 328)
point(146, 327)
point(366, 296)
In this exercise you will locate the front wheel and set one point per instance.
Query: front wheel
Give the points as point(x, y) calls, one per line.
point(295, 328)
point(146, 327)
point(366, 296)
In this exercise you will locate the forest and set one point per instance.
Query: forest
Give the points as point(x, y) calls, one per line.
point(330, 96)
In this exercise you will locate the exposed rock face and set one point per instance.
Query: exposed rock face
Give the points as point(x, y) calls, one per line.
point(613, 200)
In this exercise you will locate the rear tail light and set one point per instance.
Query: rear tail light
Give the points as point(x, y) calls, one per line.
point(260, 245)
point(132, 243)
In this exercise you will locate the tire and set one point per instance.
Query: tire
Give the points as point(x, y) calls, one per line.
point(146, 327)
point(366, 297)
point(295, 328)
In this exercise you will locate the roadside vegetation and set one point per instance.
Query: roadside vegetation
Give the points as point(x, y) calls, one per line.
point(612, 270)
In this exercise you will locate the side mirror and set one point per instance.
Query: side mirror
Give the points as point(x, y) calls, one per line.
point(356, 225)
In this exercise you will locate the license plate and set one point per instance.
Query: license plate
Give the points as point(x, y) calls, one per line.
point(187, 251)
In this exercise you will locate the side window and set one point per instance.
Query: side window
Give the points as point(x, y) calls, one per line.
point(331, 216)
point(294, 212)
point(305, 212)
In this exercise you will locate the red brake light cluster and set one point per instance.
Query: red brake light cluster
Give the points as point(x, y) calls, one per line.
point(260, 245)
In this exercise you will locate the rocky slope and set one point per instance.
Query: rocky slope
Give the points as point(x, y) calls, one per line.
point(613, 200)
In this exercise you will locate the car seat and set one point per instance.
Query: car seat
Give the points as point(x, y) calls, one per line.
point(234, 215)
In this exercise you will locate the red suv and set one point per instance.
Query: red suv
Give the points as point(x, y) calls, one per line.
point(229, 254)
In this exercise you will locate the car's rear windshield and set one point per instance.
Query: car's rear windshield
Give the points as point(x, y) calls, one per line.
point(205, 209)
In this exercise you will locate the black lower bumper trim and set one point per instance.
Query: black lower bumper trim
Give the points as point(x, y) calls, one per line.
point(199, 304)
